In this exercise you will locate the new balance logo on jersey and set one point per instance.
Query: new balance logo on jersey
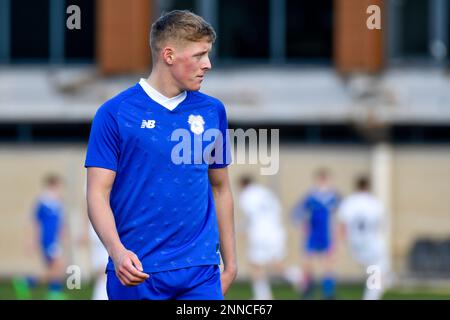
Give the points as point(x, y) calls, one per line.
point(149, 124)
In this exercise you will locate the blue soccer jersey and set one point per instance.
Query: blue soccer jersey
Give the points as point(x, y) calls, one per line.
point(317, 207)
point(49, 215)
point(161, 198)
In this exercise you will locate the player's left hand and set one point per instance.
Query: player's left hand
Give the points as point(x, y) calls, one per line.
point(226, 278)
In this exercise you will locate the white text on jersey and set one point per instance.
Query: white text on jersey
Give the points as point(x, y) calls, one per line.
point(149, 124)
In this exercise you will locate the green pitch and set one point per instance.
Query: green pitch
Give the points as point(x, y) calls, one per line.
point(242, 291)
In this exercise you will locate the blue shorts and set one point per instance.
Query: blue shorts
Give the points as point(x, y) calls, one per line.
point(318, 246)
point(193, 283)
point(51, 251)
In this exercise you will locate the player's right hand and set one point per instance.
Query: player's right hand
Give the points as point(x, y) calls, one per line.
point(128, 268)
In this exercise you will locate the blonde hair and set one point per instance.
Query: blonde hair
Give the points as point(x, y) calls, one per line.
point(179, 25)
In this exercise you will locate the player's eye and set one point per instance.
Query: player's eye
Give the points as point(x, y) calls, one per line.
point(201, 54)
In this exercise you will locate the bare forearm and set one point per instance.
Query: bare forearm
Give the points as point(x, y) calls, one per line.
point(102, 220)
point(225, 217)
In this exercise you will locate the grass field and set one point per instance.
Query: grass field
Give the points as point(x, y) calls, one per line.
point(242, 291)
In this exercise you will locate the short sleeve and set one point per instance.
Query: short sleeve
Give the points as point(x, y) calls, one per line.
point(222, 148)
point(301, 209)
point(343, 211)
point(38, 211)
point(336, 201)
point(103, 148)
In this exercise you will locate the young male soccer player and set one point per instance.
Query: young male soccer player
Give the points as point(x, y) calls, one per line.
point(362, 221)
point(165, 221)
point(315, 211)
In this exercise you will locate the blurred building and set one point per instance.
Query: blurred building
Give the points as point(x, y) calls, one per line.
point(343, 96)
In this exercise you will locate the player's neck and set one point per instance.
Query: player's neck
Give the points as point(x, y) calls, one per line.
point(51, 194)
point(323, 187)
point(163, 83)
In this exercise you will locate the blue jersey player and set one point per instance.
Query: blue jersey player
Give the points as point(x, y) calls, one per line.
point(48, 218)
point(158, 191)
point(315, 212)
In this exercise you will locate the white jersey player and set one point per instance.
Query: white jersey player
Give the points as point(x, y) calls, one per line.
point(363, 219)
point(265, 237)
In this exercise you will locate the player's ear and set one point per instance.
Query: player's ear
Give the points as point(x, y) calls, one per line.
point(168, 55)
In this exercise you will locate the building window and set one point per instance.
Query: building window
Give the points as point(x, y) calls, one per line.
point(243, 29)
point(29, 30)
point(415, 28)
point(38, 33)
point(169, 5)
point(418, 30)
point(79, 45)
point(309, 29)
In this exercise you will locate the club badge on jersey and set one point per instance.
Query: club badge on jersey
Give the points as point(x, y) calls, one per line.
point(197, 124)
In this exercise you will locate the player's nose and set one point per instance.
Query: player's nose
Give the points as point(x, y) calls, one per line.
point(206, 64)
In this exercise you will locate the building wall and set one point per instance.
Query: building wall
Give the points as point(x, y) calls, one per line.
point(123, 36)
point(356, 48)
point(420, 206)
point(21, 173)
point(421, 189)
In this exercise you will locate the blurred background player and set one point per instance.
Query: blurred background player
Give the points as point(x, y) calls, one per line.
point(99, 259)
point(265, 237)
point(48, 232)
point(314, 213)
point(362, 222)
